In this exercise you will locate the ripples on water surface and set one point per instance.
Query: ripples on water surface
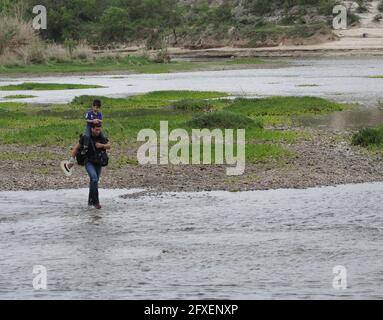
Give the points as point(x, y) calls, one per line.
point(262, 244)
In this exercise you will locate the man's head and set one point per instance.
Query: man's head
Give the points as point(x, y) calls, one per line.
point(96, 129)
point(96, 107)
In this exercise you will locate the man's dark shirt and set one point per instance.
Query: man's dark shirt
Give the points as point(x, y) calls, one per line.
point(95, 139)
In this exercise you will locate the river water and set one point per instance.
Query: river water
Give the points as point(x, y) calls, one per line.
point(339, 79)
point(250, 245)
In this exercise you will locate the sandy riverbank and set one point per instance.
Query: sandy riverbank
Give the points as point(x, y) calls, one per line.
point(344, 46)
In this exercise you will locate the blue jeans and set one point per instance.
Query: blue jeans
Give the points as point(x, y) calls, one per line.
point(94, 173)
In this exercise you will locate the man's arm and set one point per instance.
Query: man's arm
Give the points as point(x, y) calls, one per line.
point(106, 146)
point(75, 150)
point(95, 121)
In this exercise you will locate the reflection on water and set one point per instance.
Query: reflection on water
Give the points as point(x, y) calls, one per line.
point(344, 120)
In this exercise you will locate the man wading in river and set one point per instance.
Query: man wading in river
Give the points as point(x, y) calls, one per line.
point(91, 152)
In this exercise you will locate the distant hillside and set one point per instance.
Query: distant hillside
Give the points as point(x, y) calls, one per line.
point(255, 23)
point(187, 23)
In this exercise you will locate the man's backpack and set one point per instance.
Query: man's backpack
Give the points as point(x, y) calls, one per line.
point(82, 154)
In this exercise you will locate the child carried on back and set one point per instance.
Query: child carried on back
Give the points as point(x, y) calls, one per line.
point(93, 117)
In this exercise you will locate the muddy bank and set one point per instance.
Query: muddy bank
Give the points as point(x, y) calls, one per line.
point(323, 159)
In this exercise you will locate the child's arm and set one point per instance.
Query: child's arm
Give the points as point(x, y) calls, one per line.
point(89, 120)
point(92, 121)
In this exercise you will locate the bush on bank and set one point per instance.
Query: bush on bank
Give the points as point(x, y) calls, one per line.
point(368, 137)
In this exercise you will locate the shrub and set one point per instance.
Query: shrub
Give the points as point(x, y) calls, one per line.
point(380, 6)
point(161, 56)
point(33, 53)
point(306, 31)
point(70, 45)
point(82, 51)
point(9, 59)
point(352, 18)
point(58, 53)
point(15, 33)
point(368, 136)
point(378, 18)
point(325, 7)
point(362, 7)
point(154, 40)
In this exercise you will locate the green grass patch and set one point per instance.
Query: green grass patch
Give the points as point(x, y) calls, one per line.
point(222, 120)
point(284, 106)
point(97, 64)
point(275, 121)
point(46, 86)
point(279, 110)
point(195, 105)
point(183, 94)
point(149, 100)
point(61, 124)
point(130, 64)
point(246, 61)
point(256, 153)
point(19, 96)
point(258, 135)
point(368, 137)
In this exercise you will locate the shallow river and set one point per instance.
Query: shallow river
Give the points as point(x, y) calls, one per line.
point(340, 79)
point(264, 244)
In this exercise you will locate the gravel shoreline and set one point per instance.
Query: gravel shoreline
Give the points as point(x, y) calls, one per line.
point(323, 159)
